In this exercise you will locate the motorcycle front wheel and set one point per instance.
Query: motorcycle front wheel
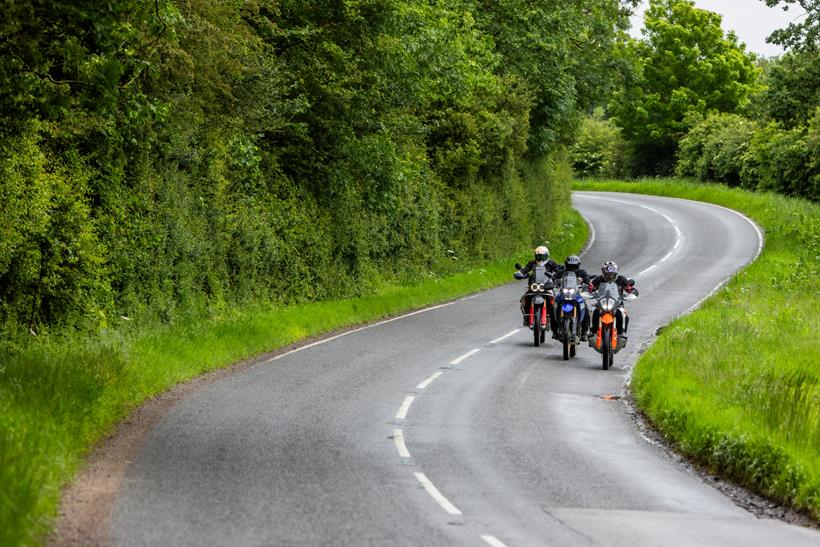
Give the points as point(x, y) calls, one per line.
point(567, 335)
point(536, 327)
point(606, 348)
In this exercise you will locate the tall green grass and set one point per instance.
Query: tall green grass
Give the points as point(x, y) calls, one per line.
point(61, 394)
point(736, 384)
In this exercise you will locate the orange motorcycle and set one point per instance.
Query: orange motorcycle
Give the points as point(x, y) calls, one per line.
point(606, 341)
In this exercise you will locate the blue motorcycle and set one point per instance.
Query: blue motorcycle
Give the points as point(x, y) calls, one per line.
point(570, 310)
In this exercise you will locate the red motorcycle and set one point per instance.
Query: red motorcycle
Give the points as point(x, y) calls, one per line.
point(538, 300)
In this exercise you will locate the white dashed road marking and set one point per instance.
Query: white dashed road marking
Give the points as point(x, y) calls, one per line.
point(457, 360)
point(436, 495)
point(429, 380)
point(492, 540)
point(405, 406)
point(398, 438)
point(497, 340)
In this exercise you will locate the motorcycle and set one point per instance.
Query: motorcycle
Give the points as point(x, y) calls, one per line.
point(606, 341)
point(569, 310)
point(540, 297)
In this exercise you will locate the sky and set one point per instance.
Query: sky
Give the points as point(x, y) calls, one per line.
point(751, 20)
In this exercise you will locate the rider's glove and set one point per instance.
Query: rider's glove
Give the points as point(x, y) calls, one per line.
point(518, 275)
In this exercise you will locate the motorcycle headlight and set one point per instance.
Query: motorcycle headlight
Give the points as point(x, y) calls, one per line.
point(568, 293)
point(607, 304)
point(535, 287)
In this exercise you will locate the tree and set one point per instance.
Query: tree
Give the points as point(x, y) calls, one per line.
point(562, 51)
point(685, 68)
point(804, 32)
point(598, 149)
point(792, 88)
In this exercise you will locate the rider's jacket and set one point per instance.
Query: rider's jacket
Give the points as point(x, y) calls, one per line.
point(621, 281)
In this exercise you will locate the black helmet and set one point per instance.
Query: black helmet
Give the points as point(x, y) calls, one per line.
point(610, 270)
point(572, 263)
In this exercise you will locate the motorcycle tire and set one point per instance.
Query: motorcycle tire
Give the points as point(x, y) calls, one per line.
point(567, 333)
point(536, 329)
point(606, 349)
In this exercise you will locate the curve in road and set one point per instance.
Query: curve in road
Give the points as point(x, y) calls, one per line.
point(446, 427)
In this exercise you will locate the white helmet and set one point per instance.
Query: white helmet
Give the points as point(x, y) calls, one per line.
point(542, 254)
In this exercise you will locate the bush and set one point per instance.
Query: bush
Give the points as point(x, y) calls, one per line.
point(599, 149)
point(714, 149)
point(782, 160)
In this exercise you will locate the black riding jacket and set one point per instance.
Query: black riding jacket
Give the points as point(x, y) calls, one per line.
point(621, 281)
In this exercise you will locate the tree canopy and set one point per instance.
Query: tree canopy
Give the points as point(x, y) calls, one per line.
point(804, 32)
point(180, 155)
point(684, 68)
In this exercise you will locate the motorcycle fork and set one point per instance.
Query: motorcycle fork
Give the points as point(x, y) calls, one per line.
point(544, 314)
point(606, 318)
point(613, 332)
point(532, 313)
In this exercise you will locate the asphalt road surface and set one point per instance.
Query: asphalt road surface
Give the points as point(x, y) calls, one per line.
point(447, 427)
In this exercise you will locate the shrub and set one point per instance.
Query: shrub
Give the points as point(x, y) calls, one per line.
point(782, 160)
point(713, 150)
point(599, 149)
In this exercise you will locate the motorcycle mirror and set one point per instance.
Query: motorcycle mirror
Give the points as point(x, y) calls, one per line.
point(518, 266)
point(630, 281)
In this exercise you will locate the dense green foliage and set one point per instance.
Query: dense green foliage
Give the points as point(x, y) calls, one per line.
point(791, 89)
point(803, 33)
point(598, 150)
point(775, 149)
point(685, 68)
point(691, 102)
point(162, 158)
point(60, 395)
point(714, 148)
point(736, 384)
point(180, 163)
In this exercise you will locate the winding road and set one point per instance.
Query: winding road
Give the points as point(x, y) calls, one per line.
point(447, 427)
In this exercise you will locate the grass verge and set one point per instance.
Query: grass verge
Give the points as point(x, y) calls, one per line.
point(60, 395)
point(736, 384)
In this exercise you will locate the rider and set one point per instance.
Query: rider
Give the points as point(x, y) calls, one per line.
point(571, 264)
point(609, 274)
point(541, 258)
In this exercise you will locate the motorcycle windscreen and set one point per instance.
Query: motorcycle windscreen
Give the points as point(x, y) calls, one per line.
point(609, 289)
point(540, 275)
point(570, 281)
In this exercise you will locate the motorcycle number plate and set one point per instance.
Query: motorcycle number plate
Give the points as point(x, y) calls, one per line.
point(538, 299)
